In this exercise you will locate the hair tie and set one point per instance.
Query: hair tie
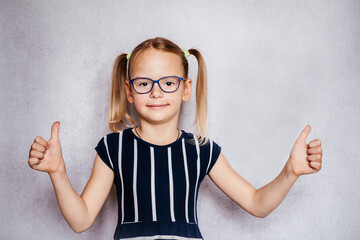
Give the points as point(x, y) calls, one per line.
point(186, 53)
point(128, 56)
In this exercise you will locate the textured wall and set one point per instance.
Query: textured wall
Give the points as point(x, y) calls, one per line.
point(273, 67)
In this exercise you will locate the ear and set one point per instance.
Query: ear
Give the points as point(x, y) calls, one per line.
point(187, 90)
point(128, 91)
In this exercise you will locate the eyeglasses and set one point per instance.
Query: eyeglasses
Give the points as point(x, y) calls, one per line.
point(167, 84)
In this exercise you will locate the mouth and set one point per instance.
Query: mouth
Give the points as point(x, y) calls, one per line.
point(157, 106)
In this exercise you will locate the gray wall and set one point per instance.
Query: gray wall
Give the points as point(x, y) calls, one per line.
point(273, 67)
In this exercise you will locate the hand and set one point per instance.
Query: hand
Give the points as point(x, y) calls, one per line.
point(305, 158)
point(46, 156)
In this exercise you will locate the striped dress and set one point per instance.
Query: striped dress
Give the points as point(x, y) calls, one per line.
point(157, 185)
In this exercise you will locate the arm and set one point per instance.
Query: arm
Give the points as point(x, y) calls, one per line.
point(304, 159)
point(80, 211)
point(269, 197)
point(233, 185)
point(257, 202)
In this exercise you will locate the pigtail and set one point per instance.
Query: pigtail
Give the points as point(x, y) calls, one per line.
point(118, 108)
point(201, 98)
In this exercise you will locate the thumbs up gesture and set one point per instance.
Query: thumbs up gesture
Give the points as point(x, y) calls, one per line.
point(46, 156)
point(305, 158)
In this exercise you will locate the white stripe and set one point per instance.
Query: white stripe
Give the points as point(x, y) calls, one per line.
point(134, 182)
point(153, 184)
point(107, 151)
point(121, 176)
point(171, 186)
point(161, 237)
point(211, 145)
point(131, 222)
point(187, 181)
point(198, 174)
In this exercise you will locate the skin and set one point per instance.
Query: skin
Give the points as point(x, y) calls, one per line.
point(80, 211)
point(158, 126)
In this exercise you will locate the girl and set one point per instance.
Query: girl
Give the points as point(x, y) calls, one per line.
point(156, 167)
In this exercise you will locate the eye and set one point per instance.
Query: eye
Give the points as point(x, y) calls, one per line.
point(142, 82)
point(169, 83)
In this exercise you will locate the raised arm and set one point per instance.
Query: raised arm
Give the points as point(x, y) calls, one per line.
point(79, 211)
point(233, 185)
point(304, 159)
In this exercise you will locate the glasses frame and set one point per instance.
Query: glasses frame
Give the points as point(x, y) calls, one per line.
point(155, 81)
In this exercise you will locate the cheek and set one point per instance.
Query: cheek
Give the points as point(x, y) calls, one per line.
point(139, 100)
point(177, 100)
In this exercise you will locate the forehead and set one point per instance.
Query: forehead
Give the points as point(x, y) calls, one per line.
point(155, 63)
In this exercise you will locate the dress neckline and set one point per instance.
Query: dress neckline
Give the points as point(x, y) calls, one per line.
point(182, 135)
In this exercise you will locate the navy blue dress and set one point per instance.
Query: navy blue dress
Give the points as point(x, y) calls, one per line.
point(157, 185)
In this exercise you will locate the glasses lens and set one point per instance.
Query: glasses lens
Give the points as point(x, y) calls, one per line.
point(142, 85)
point(169, 84)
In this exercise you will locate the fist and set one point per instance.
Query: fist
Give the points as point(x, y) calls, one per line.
point(46, 156)
point(305, 158)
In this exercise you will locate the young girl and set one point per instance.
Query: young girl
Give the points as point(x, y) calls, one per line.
point(156, 167)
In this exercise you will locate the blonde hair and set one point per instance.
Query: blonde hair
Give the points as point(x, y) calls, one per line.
point(118, 111)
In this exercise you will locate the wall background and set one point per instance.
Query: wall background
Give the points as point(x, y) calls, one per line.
point(273, 67)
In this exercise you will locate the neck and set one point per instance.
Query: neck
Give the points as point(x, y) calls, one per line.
point(158, 134)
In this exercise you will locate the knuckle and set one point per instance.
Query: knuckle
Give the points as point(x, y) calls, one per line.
point(33, 153)
point(31, 162)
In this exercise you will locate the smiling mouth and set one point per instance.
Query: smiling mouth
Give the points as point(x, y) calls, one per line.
point(157, 106)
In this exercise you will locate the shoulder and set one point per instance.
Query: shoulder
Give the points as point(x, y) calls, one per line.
point(117, 134)
point(114, 137)
point(209, 150)
point(203, 142)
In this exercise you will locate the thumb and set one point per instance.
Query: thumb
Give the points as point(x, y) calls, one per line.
point(304, 134)
point(55, 131)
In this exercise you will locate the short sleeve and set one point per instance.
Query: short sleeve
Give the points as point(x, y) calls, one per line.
point(102, 148)
point(215, 151)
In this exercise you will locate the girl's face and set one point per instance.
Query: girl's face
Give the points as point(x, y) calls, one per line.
point(158, 107)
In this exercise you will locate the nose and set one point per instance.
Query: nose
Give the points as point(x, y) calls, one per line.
point(156, 91)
